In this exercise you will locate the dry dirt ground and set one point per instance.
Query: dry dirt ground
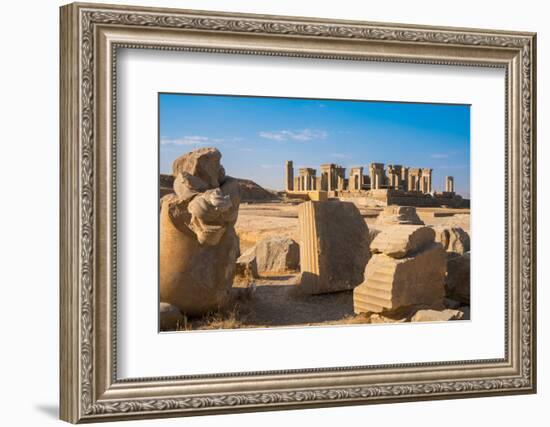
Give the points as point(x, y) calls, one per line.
point(276, 300)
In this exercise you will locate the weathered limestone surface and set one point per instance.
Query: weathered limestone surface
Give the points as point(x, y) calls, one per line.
point(334, 246)
point(277, 255)
point(198, 243)
point(247, 267)
point(457, 283)
point(397, 241)
point(170, 317)
point(373, 232)
point(399, 215)
point(437, 315)
point(203, 163)
point(401, 278)
point(455, 240)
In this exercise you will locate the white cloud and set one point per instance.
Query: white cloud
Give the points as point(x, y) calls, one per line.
point(439, 156)
point(294, 135)
point(190, 140)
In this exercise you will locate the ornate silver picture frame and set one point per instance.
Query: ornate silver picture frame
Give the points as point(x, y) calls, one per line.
point(91, 35)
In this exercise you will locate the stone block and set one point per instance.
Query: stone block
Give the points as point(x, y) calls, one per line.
point(391, 283)
point(277, 255)
point(203, 163)
point(455, 240)
point(317, 196)
point(392, 215)
point(437, 315)
point(334, 247)
point(457, 282)
point(247, 267)
point(398, 241)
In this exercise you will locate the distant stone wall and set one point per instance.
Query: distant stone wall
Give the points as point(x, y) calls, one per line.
point(403, 198)
point(451, 200)
point(408, 198)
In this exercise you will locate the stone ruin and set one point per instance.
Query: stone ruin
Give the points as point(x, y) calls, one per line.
point(407, 269)
point(393, 185)
point(333, 178)
point(392, 215)
point(198, 242)
point(411, 265)
point(456, 243)
point(334, 246)
point(270, 255)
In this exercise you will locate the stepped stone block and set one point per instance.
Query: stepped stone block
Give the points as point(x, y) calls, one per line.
point(334, 247)
point(391, 283)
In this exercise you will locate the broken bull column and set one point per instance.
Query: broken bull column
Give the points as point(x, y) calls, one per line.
point(334, 247)
point(198, 243)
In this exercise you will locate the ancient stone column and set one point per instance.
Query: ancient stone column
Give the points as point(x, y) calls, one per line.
point(324, 180)
point(356, 178)
point(449, 184)
point(410, 183)
point(415, 175)
point(377, 175)
point(394, 176)
point(334, 247)
point(405, 178)
point(328, 172)
point(308, 175)
point(427, 180)
point(340, 178)
point(391, 175)
point(289, 175)
point(371, 175)
point(341, 183)
point(198, 242)
point(332, 178)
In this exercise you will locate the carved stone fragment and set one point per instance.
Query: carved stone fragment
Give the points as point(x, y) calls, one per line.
point(334, 246)
point(198, 243)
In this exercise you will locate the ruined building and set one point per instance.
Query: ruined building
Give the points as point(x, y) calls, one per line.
point(333, 178)
point(395, 184)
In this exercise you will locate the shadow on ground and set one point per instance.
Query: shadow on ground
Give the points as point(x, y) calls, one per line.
point(50, 410)
point(277, 301)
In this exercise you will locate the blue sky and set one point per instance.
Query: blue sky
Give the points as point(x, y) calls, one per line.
point(257, 135)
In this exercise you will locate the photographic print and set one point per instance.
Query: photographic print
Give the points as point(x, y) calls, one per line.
point(318, 193)
point(291, 212)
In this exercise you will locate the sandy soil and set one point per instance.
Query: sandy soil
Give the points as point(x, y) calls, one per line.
point(259, 220)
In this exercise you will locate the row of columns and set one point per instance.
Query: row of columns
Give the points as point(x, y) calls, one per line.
point(333, 178)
